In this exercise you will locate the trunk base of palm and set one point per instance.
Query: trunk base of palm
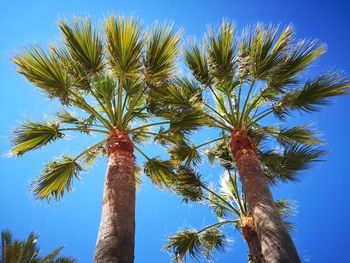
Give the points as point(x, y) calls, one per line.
point(251, 237)
point(115, 242)
point(276, 243)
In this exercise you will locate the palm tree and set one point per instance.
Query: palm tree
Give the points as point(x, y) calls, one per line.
point(27, 251)
point(229, 206)
point(279, 166)
point(108, 82)
point(251, 80)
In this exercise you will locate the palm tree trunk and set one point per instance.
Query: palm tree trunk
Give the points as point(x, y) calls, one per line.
point(115, 242)
point(276, 243)
point(251, 237)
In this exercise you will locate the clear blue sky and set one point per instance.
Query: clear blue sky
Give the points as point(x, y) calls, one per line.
point(322, 195)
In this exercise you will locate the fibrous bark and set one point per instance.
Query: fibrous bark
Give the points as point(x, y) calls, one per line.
point(276, 243)
point(251, 237)
point(115, 242)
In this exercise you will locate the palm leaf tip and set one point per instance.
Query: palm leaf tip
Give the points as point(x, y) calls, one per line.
point(125, 43)
point(161, 172)
point(83, 43)
point(33, 135)
point(56, 178)
point(197, 62)
point(162, 49)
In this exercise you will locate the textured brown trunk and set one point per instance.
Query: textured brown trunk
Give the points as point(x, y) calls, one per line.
point(251, 237)
point(276, 243)
point(115, 242)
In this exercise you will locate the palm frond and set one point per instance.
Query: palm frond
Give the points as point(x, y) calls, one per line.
point(286, 165)
point(45, 71)
point(84, 44)
point(81, 124)
point(56, 178)
point(315, 93)
point(188, 184)
point(296, 134)
point(197, 62)
point(33, 135)
point(296, 60)
point(188, 120)
point(125, 42)
point(161, 172)
point(183, 242)
point(196, 243)
point(221, 51)
point(184, 152)
point(162, 49)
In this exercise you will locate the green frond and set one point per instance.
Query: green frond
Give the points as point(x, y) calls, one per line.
point(221, 51)
point(315, 93)
point(166, 137)
point(296, 134)
point(125, 42)
point(183, 242)
point(296, 60)
point(188, 184)
point(184, 152)
point(81, 124)
point(161, 172)
point(105, 86)
point(196, 243)
point(162, 49)
point(196, 60)
point(188, 120)
point(286, 165)
point(261, 50)
point(84, 44)
point(45, 71)
point(56, 178)
point(213, 240)
point(33, 135)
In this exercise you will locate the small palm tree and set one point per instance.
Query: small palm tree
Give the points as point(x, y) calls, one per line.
point(241, 85)
point(230, 207)
point(27, 251)
point(108, 82)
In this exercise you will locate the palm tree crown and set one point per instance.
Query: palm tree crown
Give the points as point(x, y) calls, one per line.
point(27, 251)
point(108, 81)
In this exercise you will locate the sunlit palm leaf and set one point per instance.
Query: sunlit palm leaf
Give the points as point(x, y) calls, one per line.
point(84, 44)
point(188, 184)
point(162, 48)
point(45, 71)
point(33, 135)
point(197, 62)
point(56, 178)
point(125, 42)
point(294, 159)
point(221, 50)
point(160, 172)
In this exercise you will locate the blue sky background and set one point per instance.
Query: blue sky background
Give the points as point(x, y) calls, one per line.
point(322, 195)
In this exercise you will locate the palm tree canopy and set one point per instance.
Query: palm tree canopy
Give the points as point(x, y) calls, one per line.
point(109, 80)
point(27, 251)
point(251, 82)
